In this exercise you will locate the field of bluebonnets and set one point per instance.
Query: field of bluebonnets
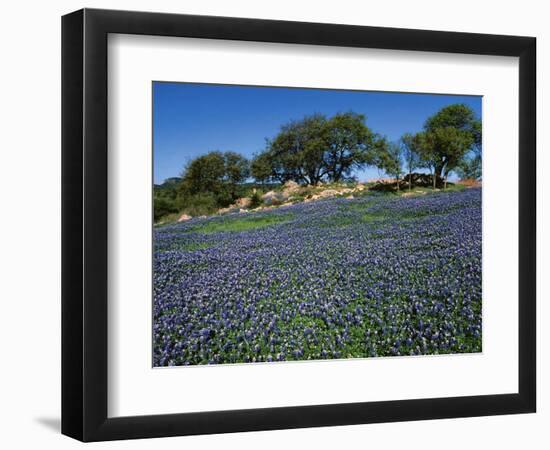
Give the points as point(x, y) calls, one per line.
point(379, 275)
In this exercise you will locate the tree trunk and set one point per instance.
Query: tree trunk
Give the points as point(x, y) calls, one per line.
point(410, 183)
point(337, 175)
point(397, 183)
point(438, 172)
point(434, 178)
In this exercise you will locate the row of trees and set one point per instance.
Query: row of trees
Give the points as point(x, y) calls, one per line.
point(450, 141)
point(318, 149)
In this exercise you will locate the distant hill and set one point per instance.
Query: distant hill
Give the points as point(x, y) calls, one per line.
point(169, 183)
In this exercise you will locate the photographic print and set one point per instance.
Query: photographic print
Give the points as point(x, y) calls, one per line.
point(296, 224)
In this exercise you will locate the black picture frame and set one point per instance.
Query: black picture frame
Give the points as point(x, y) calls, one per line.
point(84, 224)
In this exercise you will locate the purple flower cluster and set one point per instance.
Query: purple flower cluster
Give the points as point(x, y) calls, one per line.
point(340, 278)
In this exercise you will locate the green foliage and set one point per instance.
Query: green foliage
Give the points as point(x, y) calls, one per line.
point(168, 204)
point(235, 223)
point(200, 204)
point(389, 159)
point(470, 168)
point(294, 154)
point(203, 174)
point(411, 148)
point(324, 149)
point(162, 207)
point(317, 148)
point(255, 200)
point(212, 180)
point(445, 148)
point(237, 168)
point(458, 116)
point(477, 134)
point(448, 136)
point(209, 182)
point(261, 167)
point(351, 145)
point(165, 198)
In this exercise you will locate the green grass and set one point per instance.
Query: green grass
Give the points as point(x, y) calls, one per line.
point(241, 223)
point(430, 190)
point(373, 217)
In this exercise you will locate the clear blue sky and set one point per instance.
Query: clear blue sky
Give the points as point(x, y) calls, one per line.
point(191, 119)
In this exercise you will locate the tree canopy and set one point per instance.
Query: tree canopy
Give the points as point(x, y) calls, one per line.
point(446, 141)
point(317, 148)
point(389, 159)
point(411, 146)
point(217, 173)
point(449, 135)
point(445, 148)
point(296, 153)
point(350, 145)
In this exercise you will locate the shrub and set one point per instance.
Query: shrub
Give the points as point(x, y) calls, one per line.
point(162, 207)
point(199, 204)
point(255, 200)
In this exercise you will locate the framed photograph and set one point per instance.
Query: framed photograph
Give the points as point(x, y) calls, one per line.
point(273, 224)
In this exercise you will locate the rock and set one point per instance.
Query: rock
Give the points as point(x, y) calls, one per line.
point(351, 197)
point(290, 187)
point(224, 210)
point(417, 180)
point(273, 198)
point(243, 211)
point(184, 218)
point(243, 202)
point(382, 180)
point(327, 193)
